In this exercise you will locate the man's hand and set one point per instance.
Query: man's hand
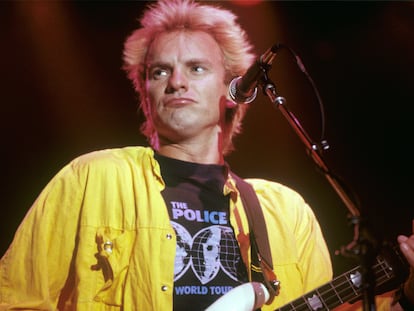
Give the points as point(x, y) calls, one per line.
point(407, 248)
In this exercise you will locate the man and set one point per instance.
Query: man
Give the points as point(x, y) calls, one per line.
point(164, 227)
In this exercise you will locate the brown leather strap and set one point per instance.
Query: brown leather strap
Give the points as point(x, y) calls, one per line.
point(261, 257)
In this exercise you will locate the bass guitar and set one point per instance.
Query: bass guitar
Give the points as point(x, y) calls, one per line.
point(390, 269)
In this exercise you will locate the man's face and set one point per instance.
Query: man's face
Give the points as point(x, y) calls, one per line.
point(185, 87)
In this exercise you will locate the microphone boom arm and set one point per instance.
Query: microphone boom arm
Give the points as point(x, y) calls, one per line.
point(313, 149)
point(363, 244)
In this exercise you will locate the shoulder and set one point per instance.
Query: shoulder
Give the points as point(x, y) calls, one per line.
point(278, 199)
point(112, 157)
point(107, 163)
point(114, 154)
point(275, 190)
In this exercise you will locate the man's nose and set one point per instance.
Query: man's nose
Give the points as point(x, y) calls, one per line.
point(177, 81)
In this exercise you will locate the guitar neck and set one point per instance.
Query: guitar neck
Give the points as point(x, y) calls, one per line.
point(344, 288)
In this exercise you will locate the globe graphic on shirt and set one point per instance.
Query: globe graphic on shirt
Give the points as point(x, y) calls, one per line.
point(183, 250)
point(211, 249)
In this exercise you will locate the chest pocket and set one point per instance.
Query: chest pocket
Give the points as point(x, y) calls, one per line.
point(114, 251)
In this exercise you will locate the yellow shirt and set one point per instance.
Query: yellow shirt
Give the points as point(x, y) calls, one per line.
point(99, 237)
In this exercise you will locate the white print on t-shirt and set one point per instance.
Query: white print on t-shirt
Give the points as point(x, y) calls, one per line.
point(202, 252)
point(180, 209)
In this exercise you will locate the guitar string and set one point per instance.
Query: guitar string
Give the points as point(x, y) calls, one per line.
point(381, 278)
point(343, 295)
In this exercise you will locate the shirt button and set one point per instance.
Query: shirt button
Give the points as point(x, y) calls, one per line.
point(164, 288)
point(169, 236)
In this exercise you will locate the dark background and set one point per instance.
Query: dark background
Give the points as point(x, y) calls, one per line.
point(63, 94)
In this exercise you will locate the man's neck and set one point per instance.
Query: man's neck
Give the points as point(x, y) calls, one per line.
point(203, 154)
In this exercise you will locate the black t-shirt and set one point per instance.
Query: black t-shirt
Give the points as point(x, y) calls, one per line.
point(208, 262)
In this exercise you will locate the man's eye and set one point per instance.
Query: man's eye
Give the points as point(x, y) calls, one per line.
point(159, 73)
point(198, 69)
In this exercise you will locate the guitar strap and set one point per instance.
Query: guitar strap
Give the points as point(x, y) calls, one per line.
point(261, 257)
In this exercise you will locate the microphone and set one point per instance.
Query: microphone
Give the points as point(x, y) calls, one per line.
point(243, 89)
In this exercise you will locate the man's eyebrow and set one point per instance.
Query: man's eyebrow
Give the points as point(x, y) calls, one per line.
point(158, 64)
point(191, 61)
point(203, 61)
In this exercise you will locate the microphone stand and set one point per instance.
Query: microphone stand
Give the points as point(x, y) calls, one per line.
point(363, 245)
